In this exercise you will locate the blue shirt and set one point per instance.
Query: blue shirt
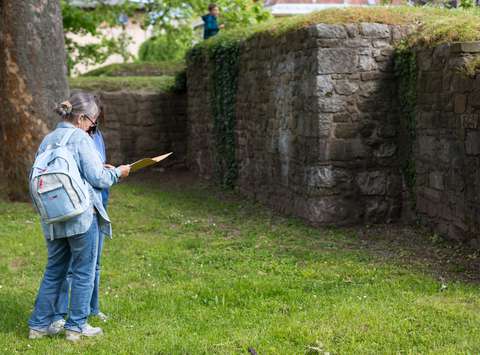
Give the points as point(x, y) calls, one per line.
point(211, 27)
point(90, 165)
point(100, 146)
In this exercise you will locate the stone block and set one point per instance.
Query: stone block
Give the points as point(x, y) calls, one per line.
point(465, 47)
point(329, 31)
point(343, 150)
point(372, 182)
point(375, 30)
point(346, 130)
point(472, 143)
point(324, 84)
point(366, 63)
point(331, 104)
point(331, 210)
point(385, 150)
point(346, 87)
point(460, 103)
point(336, 60)
point(325, 176)
point(436, 180)
point(387, 131)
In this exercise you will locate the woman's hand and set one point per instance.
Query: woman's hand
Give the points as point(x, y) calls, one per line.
point(125, 170)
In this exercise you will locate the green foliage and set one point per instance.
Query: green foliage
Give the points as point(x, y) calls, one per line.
point(173, 22)
point(467, 4)
point(84, 21)
point(162, 48)
point(224, 60)
point(406, 73)
point(471, 67)
point(180, 85)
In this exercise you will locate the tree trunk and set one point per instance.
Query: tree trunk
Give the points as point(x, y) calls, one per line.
point(32, 80)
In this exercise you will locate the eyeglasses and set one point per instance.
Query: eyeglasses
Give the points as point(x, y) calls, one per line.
point(93, 127)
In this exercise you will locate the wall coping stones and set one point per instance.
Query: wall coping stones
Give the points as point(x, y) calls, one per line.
point(465, 47)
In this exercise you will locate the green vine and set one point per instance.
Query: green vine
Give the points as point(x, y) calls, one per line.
point(406, 73)
point(224, 59)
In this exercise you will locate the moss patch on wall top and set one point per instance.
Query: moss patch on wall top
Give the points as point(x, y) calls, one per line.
point(138, 69)
point(433, 25)
point(143, 83)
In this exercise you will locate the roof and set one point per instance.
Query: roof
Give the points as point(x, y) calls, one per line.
point(94, 3)
point(298, 7)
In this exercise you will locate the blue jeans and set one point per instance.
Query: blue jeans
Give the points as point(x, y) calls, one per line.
point(81, 252)
point(63, 298)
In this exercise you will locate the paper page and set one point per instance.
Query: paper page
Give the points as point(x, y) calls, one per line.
point(143, 163)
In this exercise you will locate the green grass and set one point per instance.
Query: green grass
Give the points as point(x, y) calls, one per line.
point(433, 26)
point(144, 83)
point(194, 271)
point(138, 69)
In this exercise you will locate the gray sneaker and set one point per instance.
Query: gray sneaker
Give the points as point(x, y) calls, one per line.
point(56, 327)
point(53, 329)
point(87, 331)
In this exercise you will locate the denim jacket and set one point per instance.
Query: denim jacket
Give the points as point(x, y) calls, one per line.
point(95, 174)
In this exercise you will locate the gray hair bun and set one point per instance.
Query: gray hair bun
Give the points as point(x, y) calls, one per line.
point(64, 109)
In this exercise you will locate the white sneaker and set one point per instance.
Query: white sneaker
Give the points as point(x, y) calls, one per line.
point(37, 334)
point(56, 327)
point(87, 331)
point(102, 316)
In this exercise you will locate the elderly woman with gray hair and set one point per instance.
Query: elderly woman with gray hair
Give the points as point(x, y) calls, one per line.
point(73, 242)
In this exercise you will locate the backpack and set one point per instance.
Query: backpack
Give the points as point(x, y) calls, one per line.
point(57, 188)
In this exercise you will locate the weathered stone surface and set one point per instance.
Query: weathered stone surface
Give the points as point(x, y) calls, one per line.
point(472, 143)
point(468, 47)
point(142, 124)
point(336, 60)
point(460, 103)
point(372, 182)
point(448, 142)
point(329, 31)
point(346, 87)
point(346, 130)
point(375, 30)
point(308, 122)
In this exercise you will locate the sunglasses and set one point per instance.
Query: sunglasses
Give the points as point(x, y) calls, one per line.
point(93, 127)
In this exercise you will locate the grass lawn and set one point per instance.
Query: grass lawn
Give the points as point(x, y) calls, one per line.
point(193, 270)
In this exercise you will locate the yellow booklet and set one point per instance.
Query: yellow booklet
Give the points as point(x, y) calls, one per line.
point(143, 163)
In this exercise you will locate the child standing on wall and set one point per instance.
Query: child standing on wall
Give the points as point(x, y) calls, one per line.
point(211, 27)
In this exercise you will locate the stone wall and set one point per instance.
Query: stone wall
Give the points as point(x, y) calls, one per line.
point(447, 150)
point(143, 124)
point(317, 123)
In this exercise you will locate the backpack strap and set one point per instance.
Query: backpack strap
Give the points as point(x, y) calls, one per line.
point(67, 136)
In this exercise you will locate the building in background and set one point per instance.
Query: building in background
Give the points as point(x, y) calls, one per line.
point(131, 25)
point(300, 7)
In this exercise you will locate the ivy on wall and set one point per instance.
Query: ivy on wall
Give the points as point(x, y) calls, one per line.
point(406, 73)
point(224, 59)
